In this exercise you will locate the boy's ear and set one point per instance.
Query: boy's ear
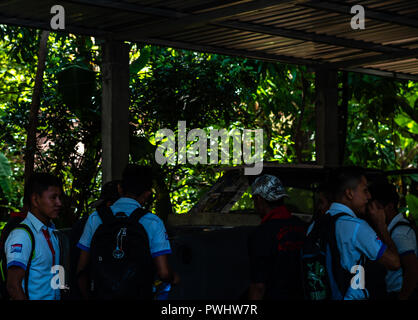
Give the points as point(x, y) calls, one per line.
point(349, 193)
point(34, 201)
point(147, 194)
point(143, 198)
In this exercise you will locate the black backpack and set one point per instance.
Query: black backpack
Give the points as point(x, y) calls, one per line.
point(12, 224)
point(121, 263)
point(323, 276)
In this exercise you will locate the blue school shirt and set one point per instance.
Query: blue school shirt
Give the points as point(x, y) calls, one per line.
point(354, 238)
point(405, 241)
point(17, 248)
point(157, 235)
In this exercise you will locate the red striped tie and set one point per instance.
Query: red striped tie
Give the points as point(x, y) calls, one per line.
point(48, 239)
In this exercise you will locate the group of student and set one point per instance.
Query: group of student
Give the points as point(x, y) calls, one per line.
point(357, 247)
point(116, 252)
point(120, 250)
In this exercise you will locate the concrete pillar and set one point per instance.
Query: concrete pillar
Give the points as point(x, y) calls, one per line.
point(115, 109)
point(327, 131)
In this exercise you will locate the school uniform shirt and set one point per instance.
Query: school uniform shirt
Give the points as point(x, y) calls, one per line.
point(157, 235)
point(355, 237)
point(18, 247)
point(405, 241)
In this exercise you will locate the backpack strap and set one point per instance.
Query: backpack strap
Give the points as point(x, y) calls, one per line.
point(32, 254)
point(335, 217)
point(64, 258)
point(341, 276)
point(137, 214)
point(401, 223)
point(105, 214)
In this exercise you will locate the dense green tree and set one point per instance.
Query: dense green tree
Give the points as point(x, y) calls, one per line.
point(207, 91)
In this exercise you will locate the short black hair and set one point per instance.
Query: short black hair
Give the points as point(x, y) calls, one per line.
point(38, 183)
point(110, 191)
point(345, 178)
point(385, 193)
point(136, 179)
point(326, 189)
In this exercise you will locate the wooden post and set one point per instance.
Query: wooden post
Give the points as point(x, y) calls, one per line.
point(115, 109)
point(327, 120)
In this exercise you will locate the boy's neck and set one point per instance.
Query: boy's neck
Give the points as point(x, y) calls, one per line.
point(45, 220)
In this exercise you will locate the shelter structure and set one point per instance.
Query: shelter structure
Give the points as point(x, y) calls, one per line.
point(318, 34)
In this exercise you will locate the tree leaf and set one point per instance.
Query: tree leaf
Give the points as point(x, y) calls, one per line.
point(403, 120)
point(5, 174)
point(141, 62)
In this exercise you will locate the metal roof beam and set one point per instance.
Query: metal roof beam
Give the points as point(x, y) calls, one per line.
point(29, 23)
point(129, 7)
point(411, 53)
point(382, 73)
point(231, 52)
point(272, 57)
point(195, 20)
point(310, 36)
point(370, 13)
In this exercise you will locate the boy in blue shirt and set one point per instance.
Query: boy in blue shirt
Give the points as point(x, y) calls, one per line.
point(135, 189)
point(400, 284)
point(355, 237)
point(43, 197)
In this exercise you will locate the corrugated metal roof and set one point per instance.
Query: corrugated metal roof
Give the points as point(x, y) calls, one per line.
point(315, 33)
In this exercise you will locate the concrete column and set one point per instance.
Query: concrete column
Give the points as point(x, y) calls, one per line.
point(115, 109)
point(327, 131)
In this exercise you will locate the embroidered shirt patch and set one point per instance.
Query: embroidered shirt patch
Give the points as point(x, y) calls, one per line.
point(16, 248)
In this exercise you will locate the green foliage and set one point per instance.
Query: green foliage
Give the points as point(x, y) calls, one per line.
point(412, 203)
point(68, 130)
point(76, 84)
point(207, 91)
point(381, 125)
point(214, 91)
point(5, 173)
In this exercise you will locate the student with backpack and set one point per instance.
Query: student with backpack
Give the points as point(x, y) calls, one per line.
point(108, 195)
point(401, 284)
point(125, 244)
point(274, 246)
point(32, 247)
point(341, 241)
point(323, 200)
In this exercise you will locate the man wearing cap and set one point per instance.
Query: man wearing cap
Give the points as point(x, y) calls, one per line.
point(274, 247)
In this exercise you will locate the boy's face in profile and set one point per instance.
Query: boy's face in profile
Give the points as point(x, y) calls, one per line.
point(49, 203)
point(360, 196)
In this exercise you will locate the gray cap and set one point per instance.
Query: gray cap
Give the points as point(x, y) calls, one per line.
point(268, 187)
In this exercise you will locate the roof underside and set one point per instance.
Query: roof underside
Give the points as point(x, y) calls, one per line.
point(308, 32)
